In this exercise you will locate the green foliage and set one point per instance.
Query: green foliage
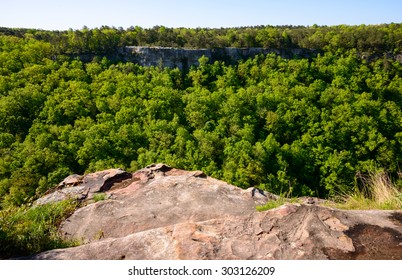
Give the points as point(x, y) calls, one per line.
point(99, 197)
point(29, 230)
point(322, 126)
point(106, 40)
point(272, 204)
point(299, 126)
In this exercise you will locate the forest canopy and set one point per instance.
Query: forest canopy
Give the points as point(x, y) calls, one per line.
point(103, 40)
point(297, 126)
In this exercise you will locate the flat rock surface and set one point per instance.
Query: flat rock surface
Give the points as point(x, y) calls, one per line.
point(159, 196)
point(165, 213)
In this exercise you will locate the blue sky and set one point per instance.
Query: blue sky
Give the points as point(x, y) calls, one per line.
point(62, 15)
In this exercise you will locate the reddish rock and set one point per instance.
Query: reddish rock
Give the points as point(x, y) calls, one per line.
point(159, 196)
point(165, 213)
point(83, 187)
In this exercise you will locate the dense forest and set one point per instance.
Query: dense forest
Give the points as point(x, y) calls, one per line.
point(295, 126)
point(104, 40)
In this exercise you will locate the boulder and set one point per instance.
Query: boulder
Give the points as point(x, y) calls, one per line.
point(70, 181)
point(83, 187)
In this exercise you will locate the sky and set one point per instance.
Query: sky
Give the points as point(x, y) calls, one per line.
point(75, 14)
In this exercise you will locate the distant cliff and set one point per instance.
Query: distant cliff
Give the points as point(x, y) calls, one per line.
point(184, 58)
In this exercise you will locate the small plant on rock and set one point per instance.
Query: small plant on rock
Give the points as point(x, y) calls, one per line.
point(99, 196)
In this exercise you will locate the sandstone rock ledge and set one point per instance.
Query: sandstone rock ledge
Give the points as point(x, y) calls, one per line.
point(164, 213)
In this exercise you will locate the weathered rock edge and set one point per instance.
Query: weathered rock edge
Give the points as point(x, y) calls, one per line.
point(164, 213)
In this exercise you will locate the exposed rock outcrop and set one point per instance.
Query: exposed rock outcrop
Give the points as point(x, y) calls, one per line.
point(83, 187)
point(164, 213)
point(184, 58)
point(159, 196)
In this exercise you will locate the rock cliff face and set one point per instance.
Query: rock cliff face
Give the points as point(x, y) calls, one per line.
point(164, 213)
point(184, 58)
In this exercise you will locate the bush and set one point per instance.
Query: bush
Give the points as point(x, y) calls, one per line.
point(30, 230)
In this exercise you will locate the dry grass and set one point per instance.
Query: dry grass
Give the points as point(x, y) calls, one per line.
point(378, 193)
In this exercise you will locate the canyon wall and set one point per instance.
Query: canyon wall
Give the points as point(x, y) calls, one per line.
point(184, 58)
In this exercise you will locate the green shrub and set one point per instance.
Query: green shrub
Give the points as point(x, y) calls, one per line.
point(99, 196)
point(29, 230)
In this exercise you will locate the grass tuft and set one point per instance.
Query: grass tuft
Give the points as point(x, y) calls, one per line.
point(29, 230)
point(276, 203)
point(99, 197)
point(378, 192)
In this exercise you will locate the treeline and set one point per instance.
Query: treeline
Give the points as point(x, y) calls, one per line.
point(301, 127)
point(364, 38)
